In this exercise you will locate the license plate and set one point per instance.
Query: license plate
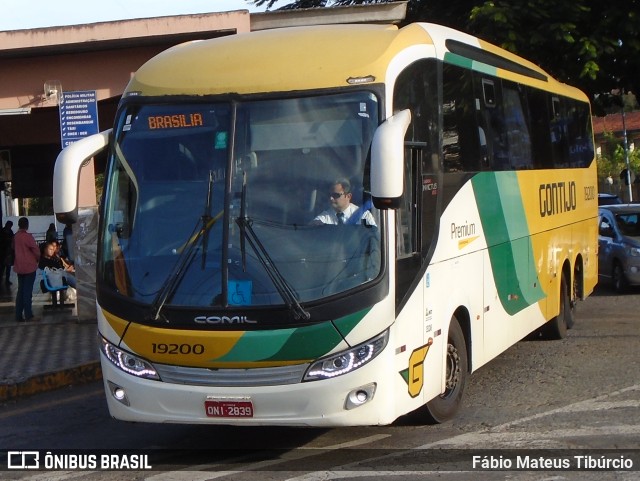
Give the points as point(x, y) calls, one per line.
point(228, 408)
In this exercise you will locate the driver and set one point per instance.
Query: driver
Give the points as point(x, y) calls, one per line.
point(342, 211)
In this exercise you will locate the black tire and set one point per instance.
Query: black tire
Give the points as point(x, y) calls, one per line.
point(570, 314)
point(556, 328)
point(618, 280)
point(444, 407)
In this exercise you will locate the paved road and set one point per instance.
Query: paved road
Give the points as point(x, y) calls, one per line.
point(579, 397)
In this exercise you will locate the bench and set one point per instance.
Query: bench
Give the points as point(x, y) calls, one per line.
point(57, 290)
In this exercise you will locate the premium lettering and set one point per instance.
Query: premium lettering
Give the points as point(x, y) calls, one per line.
point(464, 230)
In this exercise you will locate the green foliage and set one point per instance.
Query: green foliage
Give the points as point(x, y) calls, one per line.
point(38, 206)
point(612, 159)
point(99, 186)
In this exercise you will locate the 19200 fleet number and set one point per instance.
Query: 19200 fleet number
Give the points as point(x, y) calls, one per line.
point(177, 348)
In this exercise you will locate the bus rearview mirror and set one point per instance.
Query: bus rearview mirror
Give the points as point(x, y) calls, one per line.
point(387, 161)
point(66, 174)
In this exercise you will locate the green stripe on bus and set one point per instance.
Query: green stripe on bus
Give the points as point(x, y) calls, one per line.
point(257, 345)
point(318, 340)
point(484, 68)
point(303, 343)
point(458, 60)
point(346, 324)
point(464, 62)
point(510, 250)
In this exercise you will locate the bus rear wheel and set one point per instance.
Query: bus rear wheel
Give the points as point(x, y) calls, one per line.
point(556, 328)
point(575, 296)
point(444, 407)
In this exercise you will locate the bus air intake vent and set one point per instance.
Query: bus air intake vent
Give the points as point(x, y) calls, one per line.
point(265, 376)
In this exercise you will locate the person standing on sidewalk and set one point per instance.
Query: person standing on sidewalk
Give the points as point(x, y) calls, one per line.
point(27, 256)
point(6, 251)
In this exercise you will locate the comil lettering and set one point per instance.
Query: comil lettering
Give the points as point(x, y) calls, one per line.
point(223, 320)
point(175, 121)
point(557, 198)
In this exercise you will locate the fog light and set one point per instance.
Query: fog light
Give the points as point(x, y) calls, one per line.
point(360, 396)
point(118, 393)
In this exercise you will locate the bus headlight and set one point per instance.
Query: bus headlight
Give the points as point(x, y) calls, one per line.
point(347, 361)
point(127, 362)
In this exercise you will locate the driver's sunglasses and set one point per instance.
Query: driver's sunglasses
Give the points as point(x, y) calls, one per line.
point(337, 195)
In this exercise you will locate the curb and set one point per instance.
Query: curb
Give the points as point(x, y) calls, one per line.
point(78, 375)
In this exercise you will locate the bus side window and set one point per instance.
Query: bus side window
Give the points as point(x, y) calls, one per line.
point(416, 89)
point(580, 139)
point(516, 114)
point(491, 119)
point(462, 139)
point(558, 133)
point(539, 121)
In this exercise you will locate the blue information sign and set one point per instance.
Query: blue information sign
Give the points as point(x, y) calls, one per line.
point(78, 115)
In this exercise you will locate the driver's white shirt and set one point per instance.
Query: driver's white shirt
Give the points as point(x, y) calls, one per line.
point(329, 216)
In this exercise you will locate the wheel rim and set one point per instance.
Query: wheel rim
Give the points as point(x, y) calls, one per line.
point(453, 370)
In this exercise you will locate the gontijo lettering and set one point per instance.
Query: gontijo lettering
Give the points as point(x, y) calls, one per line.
point(175, 121)
point(557, 198)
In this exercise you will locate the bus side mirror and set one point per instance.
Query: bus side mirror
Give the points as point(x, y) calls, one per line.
point(387, 161)
point(66, 174)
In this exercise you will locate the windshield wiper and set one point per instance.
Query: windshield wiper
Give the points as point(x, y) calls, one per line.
point(246, 232)
point(200, 233)
point(175, 277)
point(206, 219)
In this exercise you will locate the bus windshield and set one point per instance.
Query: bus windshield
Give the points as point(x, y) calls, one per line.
point(230, 204)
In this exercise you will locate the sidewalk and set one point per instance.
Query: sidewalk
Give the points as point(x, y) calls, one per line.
point(56, 351)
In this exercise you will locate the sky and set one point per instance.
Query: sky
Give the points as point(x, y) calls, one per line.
point(27, 14)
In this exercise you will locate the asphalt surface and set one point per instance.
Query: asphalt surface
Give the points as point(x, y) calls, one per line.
point(56, 351)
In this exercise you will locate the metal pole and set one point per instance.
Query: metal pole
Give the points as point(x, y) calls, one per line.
point(626, 154)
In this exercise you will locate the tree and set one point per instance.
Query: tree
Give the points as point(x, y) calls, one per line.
point(612, 160)
point(587, 43)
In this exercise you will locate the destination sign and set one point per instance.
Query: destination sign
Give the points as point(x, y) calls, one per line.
point(175, 121)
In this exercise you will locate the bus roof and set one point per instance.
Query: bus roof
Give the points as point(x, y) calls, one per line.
point(316, 57)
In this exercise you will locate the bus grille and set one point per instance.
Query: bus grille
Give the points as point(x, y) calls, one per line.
point(265, 376)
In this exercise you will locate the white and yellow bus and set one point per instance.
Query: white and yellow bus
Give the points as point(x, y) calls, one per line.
point(220, 299)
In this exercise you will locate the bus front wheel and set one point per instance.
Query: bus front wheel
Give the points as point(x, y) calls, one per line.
point(444, 407)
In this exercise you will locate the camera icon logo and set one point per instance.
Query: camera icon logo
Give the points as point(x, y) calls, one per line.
point(23, 460)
